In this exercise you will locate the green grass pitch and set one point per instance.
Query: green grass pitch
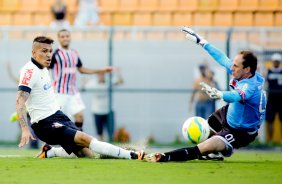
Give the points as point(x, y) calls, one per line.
point(19, 166)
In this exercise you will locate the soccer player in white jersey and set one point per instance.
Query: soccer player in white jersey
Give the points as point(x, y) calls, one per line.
point(35, 92)
point(236, 124)
point(64, 64)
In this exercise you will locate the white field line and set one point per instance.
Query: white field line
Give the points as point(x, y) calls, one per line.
point(11, 156)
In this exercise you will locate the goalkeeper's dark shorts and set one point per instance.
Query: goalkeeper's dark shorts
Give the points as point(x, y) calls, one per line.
point(57, 129)
point(233, 138)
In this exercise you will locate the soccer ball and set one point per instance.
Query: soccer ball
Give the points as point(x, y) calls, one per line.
point(195, 130)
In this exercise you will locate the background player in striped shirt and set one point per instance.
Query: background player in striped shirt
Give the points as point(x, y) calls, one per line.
point(65, 63)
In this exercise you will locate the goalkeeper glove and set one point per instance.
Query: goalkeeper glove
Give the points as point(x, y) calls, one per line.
point(212, 92)
point(194, 37)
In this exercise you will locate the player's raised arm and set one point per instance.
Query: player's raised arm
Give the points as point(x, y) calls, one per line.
point(22, 97)
point(214, 52)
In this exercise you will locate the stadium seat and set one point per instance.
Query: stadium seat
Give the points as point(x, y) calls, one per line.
point(268, 5)
point(29, 6)
point(162, 19)
point(45, 6)
point(223, 19)
point(122, 18)
point(5, 19)
point(106, 18)
point(227, 5)
point(278, 19)
point(42, 19)
point(263, 19)
point(208, 5)
point(22, 19)
point(109, 5)
point(184, 5)
point(10, 5)
point(248, 5)
point(168, 5)
point(203, 19)
point(182, 19)
point(72, 6)
point(128, 5)
point(142, 19)
point(243, 19)
point(148, 5)
point(71, 17)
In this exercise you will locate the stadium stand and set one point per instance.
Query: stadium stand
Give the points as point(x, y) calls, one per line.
point(149, 12)
point(278, 19)
point(182, 18)
point(268, 5)
point(223, 19)
point(207, 5)
point(168, 5)
point(263, 19)
point(29, 6)
point(229, 6)
point(128, 5)
point(249, 5)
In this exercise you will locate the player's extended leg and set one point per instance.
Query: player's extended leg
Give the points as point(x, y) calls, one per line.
point(211, 145)
point(82, 139)
point(85, 140)
point(50, 151)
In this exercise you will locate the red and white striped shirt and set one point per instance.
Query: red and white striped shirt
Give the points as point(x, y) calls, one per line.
point(64, 67)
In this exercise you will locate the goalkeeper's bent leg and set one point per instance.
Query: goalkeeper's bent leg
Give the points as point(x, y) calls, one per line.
point(183, 154)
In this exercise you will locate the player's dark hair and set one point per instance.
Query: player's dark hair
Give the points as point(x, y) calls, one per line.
point(62, 30)
point(250, 60)
point(43, 39)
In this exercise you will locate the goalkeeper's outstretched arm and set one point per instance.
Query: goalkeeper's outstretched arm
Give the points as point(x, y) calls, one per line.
point(227, 96)
point(214, 52)
point(218, 56)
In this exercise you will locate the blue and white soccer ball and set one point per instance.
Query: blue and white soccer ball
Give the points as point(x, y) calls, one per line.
point(195, 130)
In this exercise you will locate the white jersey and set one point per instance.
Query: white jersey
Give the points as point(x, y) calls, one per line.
point(36, 80)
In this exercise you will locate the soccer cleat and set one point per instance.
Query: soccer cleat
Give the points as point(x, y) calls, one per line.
point(212, 156)
point(154, 157)
point(43, 153)
point(138, 155)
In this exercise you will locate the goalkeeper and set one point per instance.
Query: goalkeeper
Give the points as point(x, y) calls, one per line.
point(234, 125)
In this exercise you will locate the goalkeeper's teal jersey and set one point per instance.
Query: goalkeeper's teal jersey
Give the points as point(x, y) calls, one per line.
point(248, 112)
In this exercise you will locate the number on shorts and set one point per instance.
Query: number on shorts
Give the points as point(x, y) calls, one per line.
point(229, 138)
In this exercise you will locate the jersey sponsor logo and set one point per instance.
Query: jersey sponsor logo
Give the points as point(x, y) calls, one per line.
point(27, 76)
point(244, 88)
point(47, 86)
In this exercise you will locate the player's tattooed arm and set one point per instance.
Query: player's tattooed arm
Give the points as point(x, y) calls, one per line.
point(20, 106)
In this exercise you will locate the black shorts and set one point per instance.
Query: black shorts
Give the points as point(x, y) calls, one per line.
point(236, 138)
point(101, 121)
point(62, 134)
point(273, 106)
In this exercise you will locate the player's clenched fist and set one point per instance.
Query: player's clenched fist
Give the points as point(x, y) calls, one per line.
point(194, 37)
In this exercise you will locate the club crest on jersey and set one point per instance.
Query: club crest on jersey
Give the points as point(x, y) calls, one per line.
point(244, 88)
point(47, 86)
point(27, 77)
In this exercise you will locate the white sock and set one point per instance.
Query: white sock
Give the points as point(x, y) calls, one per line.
point(108, 149)
point(59, 152)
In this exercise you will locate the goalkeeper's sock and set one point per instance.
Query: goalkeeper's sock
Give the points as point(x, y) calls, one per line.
point(183, 154)
point(59, 152)
point(104, 148)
